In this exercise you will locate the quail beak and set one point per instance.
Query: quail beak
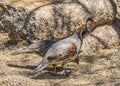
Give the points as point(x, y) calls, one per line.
point(81, 27)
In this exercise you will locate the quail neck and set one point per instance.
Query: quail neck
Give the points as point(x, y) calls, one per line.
point(77, 34)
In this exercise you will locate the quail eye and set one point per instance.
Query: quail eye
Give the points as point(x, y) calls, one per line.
point(60, 55)
point(49, 58)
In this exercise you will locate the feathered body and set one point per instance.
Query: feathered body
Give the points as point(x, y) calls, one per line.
point(62, 52)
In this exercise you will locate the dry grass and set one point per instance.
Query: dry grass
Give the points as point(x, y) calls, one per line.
point(93, 70)
point(99, 68)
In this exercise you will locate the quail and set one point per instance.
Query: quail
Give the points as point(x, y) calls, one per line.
point(62, 51)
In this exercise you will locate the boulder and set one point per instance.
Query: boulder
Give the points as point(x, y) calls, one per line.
point(57, 19)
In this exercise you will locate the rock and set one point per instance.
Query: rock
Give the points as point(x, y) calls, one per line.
point(52, 19)
point(58, 19)
point(12, 20)
point(117, 2)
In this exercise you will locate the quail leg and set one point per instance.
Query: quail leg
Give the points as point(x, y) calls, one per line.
point(54, 72)
point(76, 60)
point(66, 72)
point(54, 65)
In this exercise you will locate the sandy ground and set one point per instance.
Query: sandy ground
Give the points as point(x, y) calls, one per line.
point(101, 68)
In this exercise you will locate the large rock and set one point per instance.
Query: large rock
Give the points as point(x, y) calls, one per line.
point(58, 19)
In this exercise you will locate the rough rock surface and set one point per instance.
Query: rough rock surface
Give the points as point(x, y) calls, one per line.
point(12, 20)
point(55, 19)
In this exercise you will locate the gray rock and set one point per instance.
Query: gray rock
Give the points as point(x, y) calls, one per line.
point(49, 21)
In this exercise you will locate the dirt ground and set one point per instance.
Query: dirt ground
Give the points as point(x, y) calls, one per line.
point(101, 68)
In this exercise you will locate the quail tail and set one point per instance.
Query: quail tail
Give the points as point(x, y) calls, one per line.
point(25, 50)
